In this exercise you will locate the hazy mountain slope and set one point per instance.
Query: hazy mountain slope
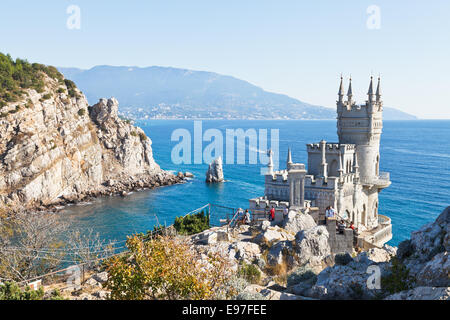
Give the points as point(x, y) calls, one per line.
point(161, 92)
point(395, 114)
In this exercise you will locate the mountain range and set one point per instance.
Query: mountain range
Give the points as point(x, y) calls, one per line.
point(173, 93)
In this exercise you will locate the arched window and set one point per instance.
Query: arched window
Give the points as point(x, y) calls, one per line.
point(333, 169)
point(363, 216)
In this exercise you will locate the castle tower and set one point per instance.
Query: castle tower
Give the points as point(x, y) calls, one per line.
point(362, 125)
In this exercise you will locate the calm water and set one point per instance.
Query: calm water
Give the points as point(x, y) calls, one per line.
point(416, 153)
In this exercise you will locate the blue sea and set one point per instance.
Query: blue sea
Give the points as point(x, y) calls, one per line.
point(416, 153)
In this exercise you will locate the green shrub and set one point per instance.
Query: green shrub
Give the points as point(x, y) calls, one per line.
point(46, 96)
point(29, 104)
point(356, 291)
point(61, 90)
point(301, 274)
point(17, 75)
point(56, 295)
point(142, 136)
point(71, 88)
point(249, 272)
point(191, 224)
point(343, 259)
point(398, 278)
point(134, 134)
point(81, 112)
point(11, 291)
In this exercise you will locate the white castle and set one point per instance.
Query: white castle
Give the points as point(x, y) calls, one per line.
point(344, 175)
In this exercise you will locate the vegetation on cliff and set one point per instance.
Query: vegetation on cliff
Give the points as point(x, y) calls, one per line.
point(191, 224)
point(17, 75)
point(167, 268)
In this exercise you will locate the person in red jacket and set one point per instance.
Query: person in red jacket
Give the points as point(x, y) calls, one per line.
point(272, 214)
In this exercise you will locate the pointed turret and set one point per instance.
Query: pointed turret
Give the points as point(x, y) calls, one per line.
point(370, 93)
point(341, 90)
point(350, 92)
point(289, 159)
point(378, 94)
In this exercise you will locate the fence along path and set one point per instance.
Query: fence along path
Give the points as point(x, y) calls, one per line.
point(84, 267)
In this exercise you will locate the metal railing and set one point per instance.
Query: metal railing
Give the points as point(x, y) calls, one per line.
point(82, 269)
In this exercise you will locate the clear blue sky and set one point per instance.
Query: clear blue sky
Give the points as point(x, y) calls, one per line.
point(294, 47)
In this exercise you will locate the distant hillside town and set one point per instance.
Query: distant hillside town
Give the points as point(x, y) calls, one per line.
point(171, 93)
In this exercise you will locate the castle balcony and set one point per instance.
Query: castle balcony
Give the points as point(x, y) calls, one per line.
point(382, 181)
point(378, 236)
point(384, 220)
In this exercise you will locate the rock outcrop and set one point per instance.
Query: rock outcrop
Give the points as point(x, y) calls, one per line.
point(215, 171)
point(422, 264)
point(422, 293)
point(312, 245)
point(297, 221)
point(55, 149)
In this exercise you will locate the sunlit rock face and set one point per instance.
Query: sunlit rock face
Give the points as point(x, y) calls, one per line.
point(54, 146)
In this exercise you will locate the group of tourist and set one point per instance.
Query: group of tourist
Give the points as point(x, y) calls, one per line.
point(246, 219)
point(341, 224)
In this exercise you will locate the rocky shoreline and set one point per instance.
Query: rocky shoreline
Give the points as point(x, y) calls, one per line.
point(115, 188)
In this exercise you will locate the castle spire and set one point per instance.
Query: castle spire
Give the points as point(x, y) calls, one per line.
point(289, 159)
point(378, 94)
point(370, 92)
point(350, 92)
point(341, 90)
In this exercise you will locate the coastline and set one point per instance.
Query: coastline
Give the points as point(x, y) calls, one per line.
point(110, 189)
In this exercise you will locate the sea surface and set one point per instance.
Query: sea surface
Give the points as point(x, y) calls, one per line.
point(416, 153)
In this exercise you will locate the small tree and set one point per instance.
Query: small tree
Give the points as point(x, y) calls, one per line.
point(88, 247)
point(165, 268)
point(398, 279)
point(191, 224)
point(11, 291)
point(30, 245)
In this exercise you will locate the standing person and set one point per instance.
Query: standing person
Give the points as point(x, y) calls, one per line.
point(285, 212)
point(352, 226)
point(327, 214)
point(272, 214)
point(247, 217)
point(332, 212)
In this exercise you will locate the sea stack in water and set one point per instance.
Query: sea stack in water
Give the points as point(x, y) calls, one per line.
point(215, 171)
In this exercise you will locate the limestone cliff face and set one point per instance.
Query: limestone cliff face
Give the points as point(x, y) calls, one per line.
point(54, 146)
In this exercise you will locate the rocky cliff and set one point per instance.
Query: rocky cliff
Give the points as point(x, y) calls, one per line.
point(295, 262)
point(54, 148)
